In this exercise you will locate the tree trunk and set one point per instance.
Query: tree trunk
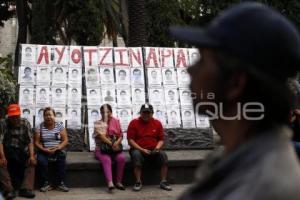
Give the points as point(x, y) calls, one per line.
point(124, 20)
point(22, 31)
point(137, 23)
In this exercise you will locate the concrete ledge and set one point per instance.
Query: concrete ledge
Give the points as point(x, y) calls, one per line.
point(83, 170)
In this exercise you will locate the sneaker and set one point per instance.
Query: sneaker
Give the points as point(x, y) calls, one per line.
point(165, 186)
point(62, 187)
point(120, 186)
point(26, 193)
point(137, 186)
point(46, 187)
point(10, 195)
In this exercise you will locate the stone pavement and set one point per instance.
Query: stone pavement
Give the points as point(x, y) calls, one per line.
point(148, 192)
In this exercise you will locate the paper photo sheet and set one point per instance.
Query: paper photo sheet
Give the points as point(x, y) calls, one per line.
point(185, 97)
point(160, 114)
point(173, 116)
point(28, 54)
point(122, 76)
point(137, 76)
point(202, 121)
point(94, 97)
point(59, 96)
point(42, 96)
point(74, 117)
point(26, 95)
point(92, 76)
point(107, 75)
point(183, 77)
point(93, 115)
point(156, 96)
point(39, 116)
point(138, 95)
point(59, 75)
point(60, 115)
point(154, 76)
point(169, 76)
point(75, 75)
point(109, 95)
point(74, 96)
point(123, 97)
point(27, 113)
point(194, 56)
point(125, 116)
point(188, 117)
point(43, 75)
point(26, 75)
point(171, 96)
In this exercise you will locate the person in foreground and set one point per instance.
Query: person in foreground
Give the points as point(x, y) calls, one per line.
point(146, 138)
point(17, 159)
point(247, 54)
point(51, 139)
point(108, 130)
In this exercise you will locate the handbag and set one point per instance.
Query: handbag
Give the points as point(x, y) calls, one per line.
point(107, 149)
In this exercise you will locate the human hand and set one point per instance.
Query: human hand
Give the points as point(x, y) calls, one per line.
point(32, 161)
point(116, 147)
point(146, 151)
point(3, 162)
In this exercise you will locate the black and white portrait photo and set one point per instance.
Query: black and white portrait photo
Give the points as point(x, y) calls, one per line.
point(188, 117)
point(74, 118)
point(183, 77)
point(194, 56)
point(43, 75)
point(59, 75)
point(154, 76)
point(185, 96)
point(108, 95)
point(94, 96)
point(60, 115)
point(26, 75)
point(156, 96)
point(125, 116)
point(123, 76)
point(173, 116)
point(26, 96)
point(42, 96)
point(59, 96)
point(28, 54)
point(75, 75)
point(171, 96)
point(137, 76)
point(27, 113)
point(92, 76)
point(123, 97)
point(160, 114)
point(106, 75)
point(138, 95)
point(39, 116)
point(93, 115)
point(74, 96)
point(169, 76)
point(202, 121)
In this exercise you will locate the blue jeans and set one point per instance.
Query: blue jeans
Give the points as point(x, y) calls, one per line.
point(58, 166)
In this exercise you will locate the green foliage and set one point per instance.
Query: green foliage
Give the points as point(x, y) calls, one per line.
point(162, 14)
point(7, 83)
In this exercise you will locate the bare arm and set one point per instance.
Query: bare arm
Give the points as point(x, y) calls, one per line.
point(64, 139)
point(138, 147)
point(159, 145)
point(3, 161)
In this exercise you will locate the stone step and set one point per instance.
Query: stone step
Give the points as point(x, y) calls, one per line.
point(83, 170)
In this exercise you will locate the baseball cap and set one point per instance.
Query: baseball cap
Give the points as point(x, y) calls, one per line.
point(252, 32)
point(146, 108)
point(13, 110)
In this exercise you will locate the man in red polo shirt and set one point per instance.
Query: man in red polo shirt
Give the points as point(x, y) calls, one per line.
point(146, 137)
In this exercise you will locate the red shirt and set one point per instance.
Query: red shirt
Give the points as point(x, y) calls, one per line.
point(145, 134)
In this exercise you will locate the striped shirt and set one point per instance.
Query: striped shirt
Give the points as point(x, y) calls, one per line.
point(51, 138)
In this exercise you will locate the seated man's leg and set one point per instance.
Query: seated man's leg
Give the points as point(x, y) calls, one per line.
point(162, 160)
point(5, 180)
point(137, 159)
point(28, 181)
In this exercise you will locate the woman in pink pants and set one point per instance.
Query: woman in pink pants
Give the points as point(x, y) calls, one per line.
point(105, 128)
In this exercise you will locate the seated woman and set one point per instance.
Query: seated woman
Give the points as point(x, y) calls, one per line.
point(51, 139)
point(105, 130)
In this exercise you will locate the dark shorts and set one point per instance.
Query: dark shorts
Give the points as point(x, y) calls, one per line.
point(157, 159)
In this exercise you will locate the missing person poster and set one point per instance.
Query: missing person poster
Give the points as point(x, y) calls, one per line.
point(202, 121)
point(74, 118)
point(122, 76)
point(125, 116)
point(194, 56)
point(39, 116)
point(138, 95)
point(92, 76)
point(26, 75)
point(28, 57)
point(188, 117)
point(27, 113)
point(137, 76)
point(109, 95)
point(59, 96)
point(173, 116)
point(160, 114)
point(123, 96)
point(171, 96)
point(107, 75)
point(75, 75)
point(154, 76)
point(59, 75)
point(43, 75)
point(156, 96)
point(183, 77)
point(93, 115)
point(185, 97)
point(60, 115)
point(94, 97)
point(74, 96)
point(169, 76)
point(26, 94)
point(42, 96)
